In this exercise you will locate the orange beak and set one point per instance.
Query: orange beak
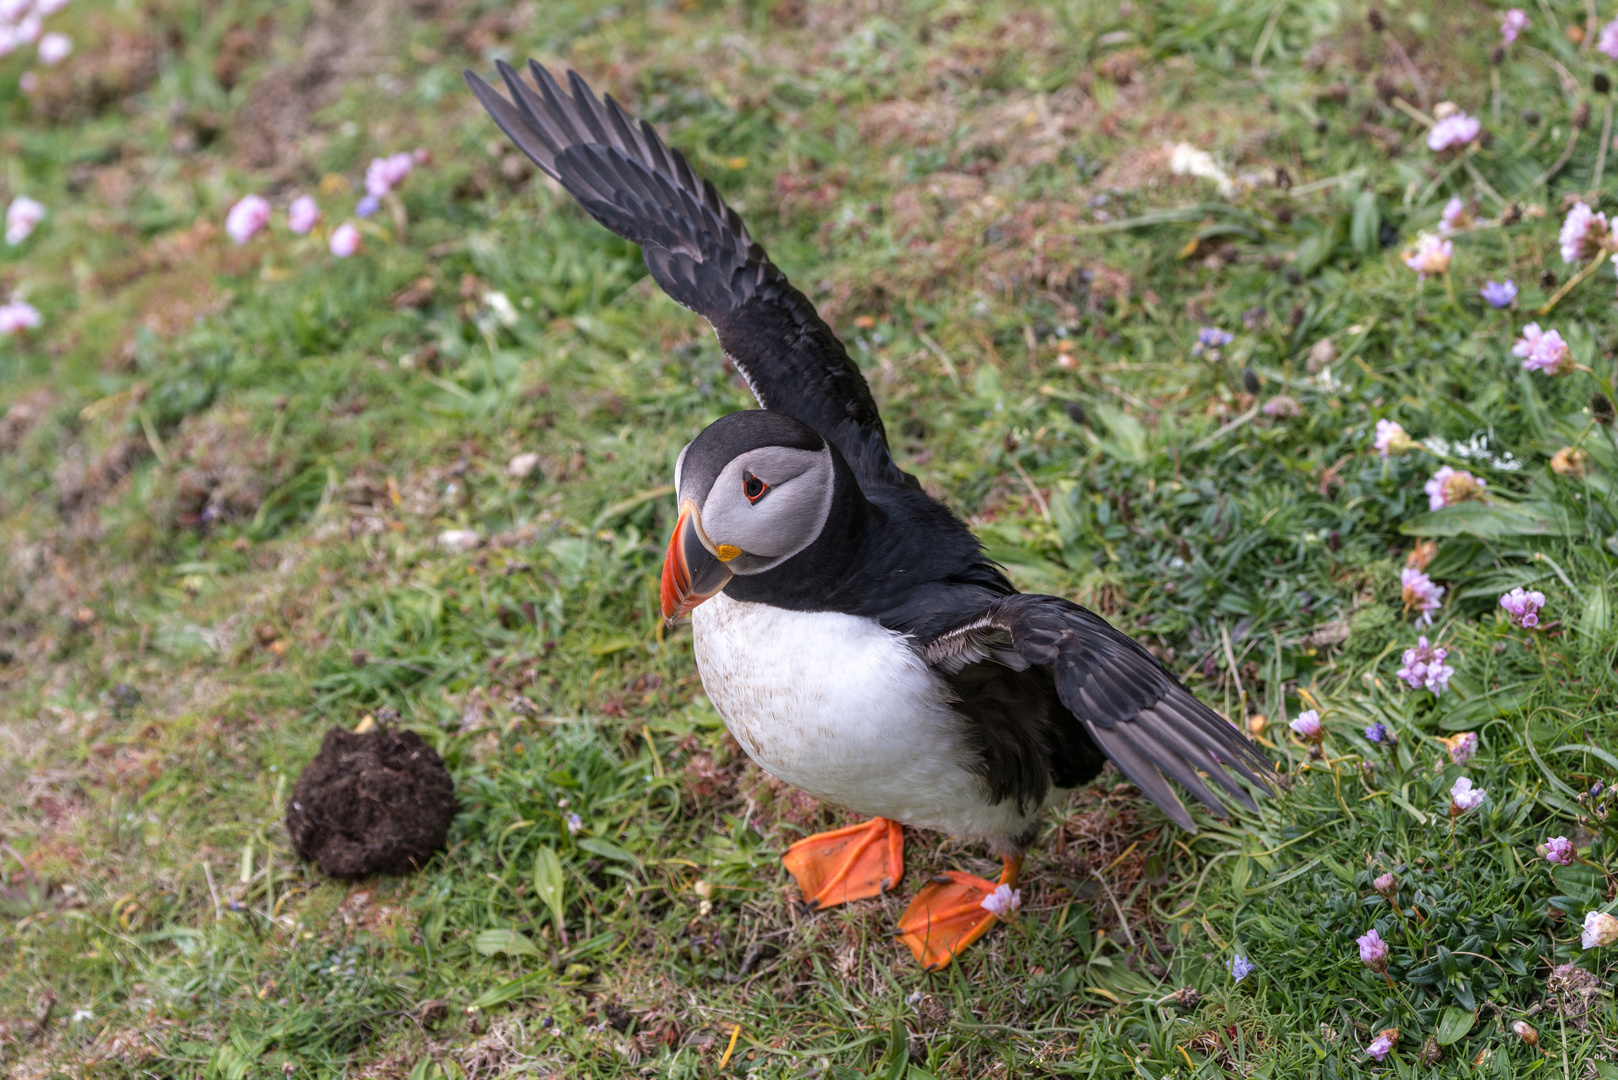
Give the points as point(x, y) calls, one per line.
point(691, 572)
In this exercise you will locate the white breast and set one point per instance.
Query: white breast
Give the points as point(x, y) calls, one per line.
point(844, 709)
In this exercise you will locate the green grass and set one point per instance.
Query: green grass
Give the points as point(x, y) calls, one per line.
point(222, 506)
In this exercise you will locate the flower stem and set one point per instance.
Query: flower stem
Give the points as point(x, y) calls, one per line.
point(1601, 151)
point(1572, 283)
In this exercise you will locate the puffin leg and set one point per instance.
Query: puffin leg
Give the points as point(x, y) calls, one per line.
point(948, 915)
point(853, 863)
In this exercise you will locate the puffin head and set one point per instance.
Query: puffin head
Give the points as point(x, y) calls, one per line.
point(755, 489)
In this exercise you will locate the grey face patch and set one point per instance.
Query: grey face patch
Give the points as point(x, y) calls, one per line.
point(778, 524)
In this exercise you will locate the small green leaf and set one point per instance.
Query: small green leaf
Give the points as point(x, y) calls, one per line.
point(1454, 1024)
point(549, 884)
point(509, 942)
point(516, 988)
point(1367, 224)
point(607, 851)
point(1490, 521)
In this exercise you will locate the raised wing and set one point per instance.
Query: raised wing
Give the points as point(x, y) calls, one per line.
point(1137, 713)
point(699, 251)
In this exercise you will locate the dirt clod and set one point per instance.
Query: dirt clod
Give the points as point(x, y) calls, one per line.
point(380, 802)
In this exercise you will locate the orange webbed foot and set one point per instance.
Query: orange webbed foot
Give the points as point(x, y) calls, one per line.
point(950, 914)
point(853, 863)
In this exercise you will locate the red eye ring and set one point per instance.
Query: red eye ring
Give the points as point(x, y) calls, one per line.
point(753, 488)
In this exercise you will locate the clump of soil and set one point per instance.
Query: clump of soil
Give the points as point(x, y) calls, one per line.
point(378, 802)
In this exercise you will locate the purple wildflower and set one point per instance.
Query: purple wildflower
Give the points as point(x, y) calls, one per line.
point(1373, 951)
point(1584, 231)
point(247, 217)
point(1431, 255)
point(1386, 884)
point(1210, 339)
point(1241, 967)
point(1514, 23)
point(1464, 798)
point(1559, 850)
point(1381, 1046)
point(1523, 606)
point(1307, 725)
point(1462, 748)
point(1499, 294)
point(1281, 406)
point(1451, 486)
point(384, 174)
point(1420, 594)
point(367, 206)
point(1599, 929)
point(1003, 901)
point(53, 48)
point(1607, 42)
point(1424, 667)
point(1377, 733)
point(1543, 350)
point(22, 216)
point(17, 316)
point(1455, 130)
point(303, 214)
point(1455, 216)
point(345, 240)
point(1391, 438)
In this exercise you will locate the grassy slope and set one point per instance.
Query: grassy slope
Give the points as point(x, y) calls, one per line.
point(947, 181)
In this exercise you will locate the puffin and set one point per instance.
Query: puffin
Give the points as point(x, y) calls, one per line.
point(847, 626)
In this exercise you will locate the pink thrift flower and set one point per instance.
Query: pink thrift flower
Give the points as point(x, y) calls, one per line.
point(1420, 595)
point(54, 48)
point(28, 82)
point(1543, 350)
point(247, 217)
point(345, 240)
point(1281, 406)
point(1523, 606)
point(1599, 929)
point(1451, 486)
point(17, 316)
point(1464, 798)
point(21, 217)
point(1386, 884)
point(1455, 217)
point(47, 8)
point(1424, 667)
point(1607, 42)
point(27, 31)
point(303, 214)
point(1373, 951)
point(1559, 850)
point(8, 39)
point(1381, 1046)
point(1307, 725)
point(1391, 438)
point(1462, 748)
point(1515, 22)
point(1003, 901)
point(421, 155)
point(1455, 130)
point(384, 174)
point(1431, 255)
point(1583, 232)
point(12, 10)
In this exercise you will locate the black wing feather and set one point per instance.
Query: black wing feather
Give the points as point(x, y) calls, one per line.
point(698, 250)
point(1137, 713)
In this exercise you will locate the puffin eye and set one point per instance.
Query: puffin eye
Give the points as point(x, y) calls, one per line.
point(753, 488)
